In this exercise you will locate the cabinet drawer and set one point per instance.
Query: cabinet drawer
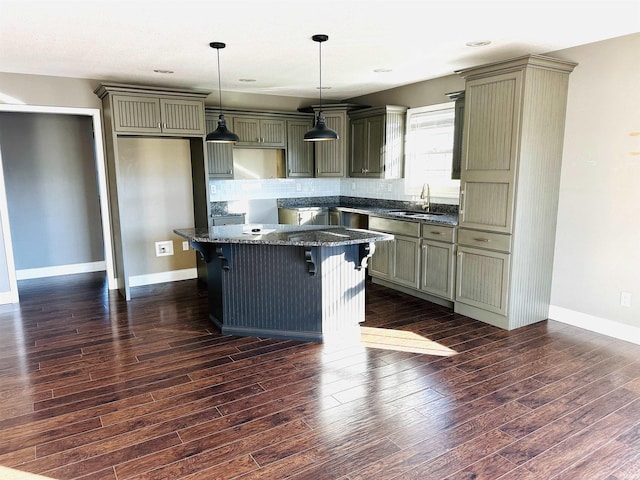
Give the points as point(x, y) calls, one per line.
point(411, 229)
point(438, 232)
point(491, 241)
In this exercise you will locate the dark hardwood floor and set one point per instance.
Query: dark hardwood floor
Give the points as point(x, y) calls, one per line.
point(93, 387)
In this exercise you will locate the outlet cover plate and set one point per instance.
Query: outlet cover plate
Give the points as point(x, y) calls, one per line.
point(164, 248)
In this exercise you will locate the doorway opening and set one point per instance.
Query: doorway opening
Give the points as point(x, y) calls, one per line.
point(53, 195)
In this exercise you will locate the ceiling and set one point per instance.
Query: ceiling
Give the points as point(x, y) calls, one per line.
point(270, 43)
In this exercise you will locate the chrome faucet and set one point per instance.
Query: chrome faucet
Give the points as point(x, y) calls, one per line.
point(425, 196)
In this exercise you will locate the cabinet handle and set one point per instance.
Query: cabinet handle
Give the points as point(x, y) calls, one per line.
point(159, 125)
point(230, 171)
point(461, 201)
point(435, 233)
point(480, 239)
point(164, 125)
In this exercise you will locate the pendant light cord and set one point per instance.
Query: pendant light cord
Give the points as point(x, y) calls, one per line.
point(219, 87)
point(320, 51)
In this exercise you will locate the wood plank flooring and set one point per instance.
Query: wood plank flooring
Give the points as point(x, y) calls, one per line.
point(92, 387)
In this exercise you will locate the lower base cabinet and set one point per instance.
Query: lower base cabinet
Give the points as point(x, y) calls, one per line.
point(482, 279)
point(437, 269)
point(303, 216)
point(421, 258)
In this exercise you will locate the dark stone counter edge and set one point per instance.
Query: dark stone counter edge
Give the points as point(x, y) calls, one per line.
point(315, 236)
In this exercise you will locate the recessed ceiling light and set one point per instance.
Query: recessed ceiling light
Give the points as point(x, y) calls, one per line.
point(480, 43)
point(160, 70)
point(247, 80)
point(382, 70)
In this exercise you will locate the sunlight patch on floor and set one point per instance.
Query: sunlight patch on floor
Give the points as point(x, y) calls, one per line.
point(402, 341)
point(11, 474)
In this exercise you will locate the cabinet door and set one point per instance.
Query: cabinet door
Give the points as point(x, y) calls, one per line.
point(219, 155)
point(482, 279)
point(380, 261)
point(492, 118)
point(406, 261)
point(248, 130)
point(299, 153)
point(321, 218)
point(375, 147)
point(437, 270)
point(136, 114)
point(272, 133)
point(359, 149)
point(331, 155)
point(182, 117)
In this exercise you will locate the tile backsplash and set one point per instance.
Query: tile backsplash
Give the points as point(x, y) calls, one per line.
point(230, 190)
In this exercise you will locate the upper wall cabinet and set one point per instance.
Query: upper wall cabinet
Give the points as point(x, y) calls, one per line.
point(219, 155)
point(377, 142)
point(332, 156)
point(153, 111)
point(259, 132)
point(299, 152)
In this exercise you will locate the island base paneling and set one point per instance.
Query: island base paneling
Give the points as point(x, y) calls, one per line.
point(303, 293)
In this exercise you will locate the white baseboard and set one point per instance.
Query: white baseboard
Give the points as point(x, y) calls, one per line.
point(8, 297)
point(162, 277)
point(29, 273)
point(600, 325)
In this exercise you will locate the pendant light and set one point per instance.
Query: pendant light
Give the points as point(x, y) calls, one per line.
point(320, 132)
point(221, 134)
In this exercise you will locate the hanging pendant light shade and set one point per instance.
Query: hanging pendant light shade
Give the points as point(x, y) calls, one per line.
point(320, 132)
point(221, 134)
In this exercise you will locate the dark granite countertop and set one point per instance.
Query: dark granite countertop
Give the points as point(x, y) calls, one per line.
point(276, 234)
point(441, 214)
point(448, 219)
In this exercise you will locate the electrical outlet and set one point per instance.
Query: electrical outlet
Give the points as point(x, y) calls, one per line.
point(164, 249)
point(212, 189)
point(185, 245)
point(298, 187)
point(625, 299)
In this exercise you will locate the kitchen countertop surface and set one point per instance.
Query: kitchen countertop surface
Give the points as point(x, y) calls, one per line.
point(449, 219)
point(276, 234)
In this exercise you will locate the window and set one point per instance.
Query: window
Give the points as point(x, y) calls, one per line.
point(429, 151)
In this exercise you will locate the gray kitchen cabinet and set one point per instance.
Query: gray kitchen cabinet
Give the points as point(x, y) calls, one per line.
point(398, 261)
point(303, 216)
point(219, 155)
point(509, 185)
point(261, 132)
point(229, 219)
point(405, 261)
point(377, 142)
point(380, 261)
point(148, 114)
point(458, 129)
point(482, 279)
point(331, 156)
point(438, 260)
point(299, 152)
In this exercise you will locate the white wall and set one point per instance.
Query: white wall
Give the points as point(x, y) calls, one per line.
point(597, 253)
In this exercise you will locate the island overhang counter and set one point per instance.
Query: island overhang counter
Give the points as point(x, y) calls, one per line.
point(303, 282)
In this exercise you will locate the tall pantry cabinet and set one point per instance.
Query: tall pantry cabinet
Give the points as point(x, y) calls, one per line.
point(509, 184)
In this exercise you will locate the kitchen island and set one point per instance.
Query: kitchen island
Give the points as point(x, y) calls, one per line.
point(285, 281)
